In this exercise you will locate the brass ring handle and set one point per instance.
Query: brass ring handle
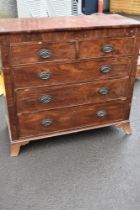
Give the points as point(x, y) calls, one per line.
point(101, 113)
point(45, 99)
point(45, 53)
point(44, 75)
point(104, 91)
point(46, 122)
point(105, 69)
point(107, 48)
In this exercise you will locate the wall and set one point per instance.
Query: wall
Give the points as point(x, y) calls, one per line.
point(8, 8)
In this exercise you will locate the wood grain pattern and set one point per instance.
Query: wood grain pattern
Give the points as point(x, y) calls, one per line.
point(29, 52)
point(29, 25)
point(66, 119)
point(66, 36)
point(88, 49)
point(9, 86)
point(25, 53)
point(72, 72)
point(29, 100)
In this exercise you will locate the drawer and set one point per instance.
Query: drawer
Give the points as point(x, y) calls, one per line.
point(53, 121)
point(106, 47)
point(44, 98)
point(55, 74)
point(24, 53)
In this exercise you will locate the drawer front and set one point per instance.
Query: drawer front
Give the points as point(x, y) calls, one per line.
point(55, 74)
point(106, 47)
point(52, 121)
point(25, 53)
point(45, 98)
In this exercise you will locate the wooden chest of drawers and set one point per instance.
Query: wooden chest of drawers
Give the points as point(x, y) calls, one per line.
point(64, 75)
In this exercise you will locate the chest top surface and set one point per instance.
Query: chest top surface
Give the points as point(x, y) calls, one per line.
point(28, 25)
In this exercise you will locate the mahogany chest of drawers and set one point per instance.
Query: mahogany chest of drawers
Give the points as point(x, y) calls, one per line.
point(67, 74)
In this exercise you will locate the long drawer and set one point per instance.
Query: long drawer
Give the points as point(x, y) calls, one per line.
point(53, 121)
point(30, 52)
point(74, 72)
point(44, 98)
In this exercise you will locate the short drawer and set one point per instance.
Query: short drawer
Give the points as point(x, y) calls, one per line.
point(106, 47)
point(44, 98)
point(53, 121)
point(25, 53)
point(55, 74)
